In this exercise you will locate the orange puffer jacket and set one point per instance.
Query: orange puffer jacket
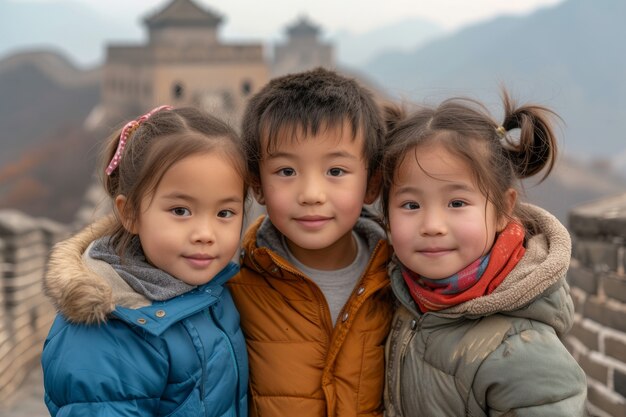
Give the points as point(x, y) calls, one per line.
point(300, 365)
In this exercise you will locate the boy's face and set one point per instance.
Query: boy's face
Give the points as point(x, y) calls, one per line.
point(314, 188)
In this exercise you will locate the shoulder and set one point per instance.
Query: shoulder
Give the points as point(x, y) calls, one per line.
point(104, 363)
point(531, 368)
point(464, 343)
point(95, 350)
point(101, 337)
point(516, 346)
point(497, 348)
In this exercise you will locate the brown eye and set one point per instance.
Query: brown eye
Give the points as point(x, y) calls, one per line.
point(287, 172)
point(336, 172)
point(411, 205)
point(225, 214)
point(180, 211)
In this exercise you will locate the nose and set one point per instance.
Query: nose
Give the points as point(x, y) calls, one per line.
point(312, 191)
point(203, 232)
point(433, 222)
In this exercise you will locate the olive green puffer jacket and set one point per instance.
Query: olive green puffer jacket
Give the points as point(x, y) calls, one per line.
point(497, 355)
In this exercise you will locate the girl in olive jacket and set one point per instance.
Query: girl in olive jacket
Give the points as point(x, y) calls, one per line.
point(479, 277)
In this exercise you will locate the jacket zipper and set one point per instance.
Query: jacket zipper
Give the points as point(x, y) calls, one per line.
point(320, 297)
point(316, 291)
point(231, 350)
point(192, 330)
point(360, 281)
point(415, 325)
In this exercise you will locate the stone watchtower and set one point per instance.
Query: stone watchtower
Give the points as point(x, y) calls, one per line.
point(303, 50)
point(183, 63)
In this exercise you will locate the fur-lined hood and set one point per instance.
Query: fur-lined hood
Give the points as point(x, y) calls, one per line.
point(85, 290)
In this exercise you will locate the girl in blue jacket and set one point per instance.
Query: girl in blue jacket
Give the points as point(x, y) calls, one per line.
point(146, 326)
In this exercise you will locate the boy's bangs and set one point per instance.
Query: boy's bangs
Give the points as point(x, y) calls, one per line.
point(274, 132)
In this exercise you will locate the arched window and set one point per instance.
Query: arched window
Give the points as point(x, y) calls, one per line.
point(178, 91)
point(246, 87)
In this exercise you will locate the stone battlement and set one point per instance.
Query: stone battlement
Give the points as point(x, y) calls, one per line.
point(598, 282)
point(25, 313)
point(149, 55)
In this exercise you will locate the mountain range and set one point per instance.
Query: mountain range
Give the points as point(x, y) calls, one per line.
point(46, 154)
point(565, 57)
point(357, 49)
point(570, 57)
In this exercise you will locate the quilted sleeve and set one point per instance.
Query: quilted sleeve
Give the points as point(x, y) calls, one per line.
point(531, 374)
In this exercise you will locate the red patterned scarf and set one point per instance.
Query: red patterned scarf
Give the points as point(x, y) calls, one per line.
point(469, 283)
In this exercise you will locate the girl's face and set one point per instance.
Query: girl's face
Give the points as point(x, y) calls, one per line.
point(190, 228)
point(439, 220)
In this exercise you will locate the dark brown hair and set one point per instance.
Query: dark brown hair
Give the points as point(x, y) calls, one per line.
point(467, 130)
point(167, 137)
point(306, 103)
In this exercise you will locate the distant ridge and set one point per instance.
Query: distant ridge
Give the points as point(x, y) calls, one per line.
point(42, 92)
point(46, 156)
point(569, 57)
point(55, 65)
point(357, 49)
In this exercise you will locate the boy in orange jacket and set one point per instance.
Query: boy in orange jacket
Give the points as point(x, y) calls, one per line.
point(313, 291)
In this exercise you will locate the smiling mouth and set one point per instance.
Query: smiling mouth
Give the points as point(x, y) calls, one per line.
point(199, 261)
point(434, 252)
point(312, 222)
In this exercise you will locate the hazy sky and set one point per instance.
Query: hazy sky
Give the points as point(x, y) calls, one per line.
point(257, 18)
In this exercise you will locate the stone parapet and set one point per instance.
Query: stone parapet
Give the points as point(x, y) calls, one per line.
point(25, 313)
point(150, 55)
point(598, 283)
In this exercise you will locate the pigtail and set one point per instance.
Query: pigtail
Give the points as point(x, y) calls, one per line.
point(393, 114)
point(537, 146)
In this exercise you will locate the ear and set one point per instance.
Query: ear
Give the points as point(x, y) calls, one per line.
point(510, 198)
point(257, 190)
point(373, 188)
point(122, 212)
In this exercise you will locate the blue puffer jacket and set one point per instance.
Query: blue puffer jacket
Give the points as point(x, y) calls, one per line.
point(112, 353)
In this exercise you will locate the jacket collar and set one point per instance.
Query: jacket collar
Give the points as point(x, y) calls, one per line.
point(160, 315)
point(87, 291)
point(258, 251)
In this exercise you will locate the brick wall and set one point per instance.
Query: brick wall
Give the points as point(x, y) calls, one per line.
point(598, 282)
point(25, 313)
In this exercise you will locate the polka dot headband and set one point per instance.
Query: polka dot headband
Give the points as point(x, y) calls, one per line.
point(125, 133)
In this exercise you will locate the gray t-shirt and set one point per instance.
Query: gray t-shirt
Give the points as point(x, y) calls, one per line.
point(336, 285)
